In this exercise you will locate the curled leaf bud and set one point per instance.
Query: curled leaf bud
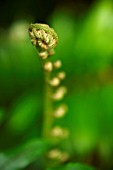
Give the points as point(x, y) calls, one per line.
point(48, 66)
point(60, 92)
point(57, 64)
point(43, 54)
point(58, 155)
point(55, 81)
point(60, 111)
point(43, 36)
point(59, 132)
point(54, 154)
point(61, 75)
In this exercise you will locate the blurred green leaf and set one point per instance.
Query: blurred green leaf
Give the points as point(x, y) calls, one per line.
point(83, 120)
point(77, 166)
point(25, 155)
point(24, 113)
point(94, 45)
point(74, 166)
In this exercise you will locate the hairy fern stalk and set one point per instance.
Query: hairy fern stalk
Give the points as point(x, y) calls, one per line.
point(45, 40)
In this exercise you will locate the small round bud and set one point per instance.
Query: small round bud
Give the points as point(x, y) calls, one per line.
point(61, 75)
point(58, 155)
point(51, 51)
point(43, 54)
point(60, 111)
point(55, 81)
point(48, 66)
point(59, 132)
point(60, 92)
point(57, 64)
point(54, 154)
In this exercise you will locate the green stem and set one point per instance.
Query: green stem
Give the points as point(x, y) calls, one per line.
point(48, 119)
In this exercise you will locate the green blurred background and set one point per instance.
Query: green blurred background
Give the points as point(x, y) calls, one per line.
point(85, 30)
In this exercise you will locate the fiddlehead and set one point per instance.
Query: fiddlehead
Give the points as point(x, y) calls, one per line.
point(45, 40)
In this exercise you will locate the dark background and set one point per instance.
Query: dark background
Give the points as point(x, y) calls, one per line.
point(38, 10)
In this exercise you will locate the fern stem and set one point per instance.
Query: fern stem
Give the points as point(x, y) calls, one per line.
point(48, 104)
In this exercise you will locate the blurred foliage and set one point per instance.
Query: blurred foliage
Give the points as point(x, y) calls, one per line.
point(86, 50)
point(72, 166)
point(23, 156)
